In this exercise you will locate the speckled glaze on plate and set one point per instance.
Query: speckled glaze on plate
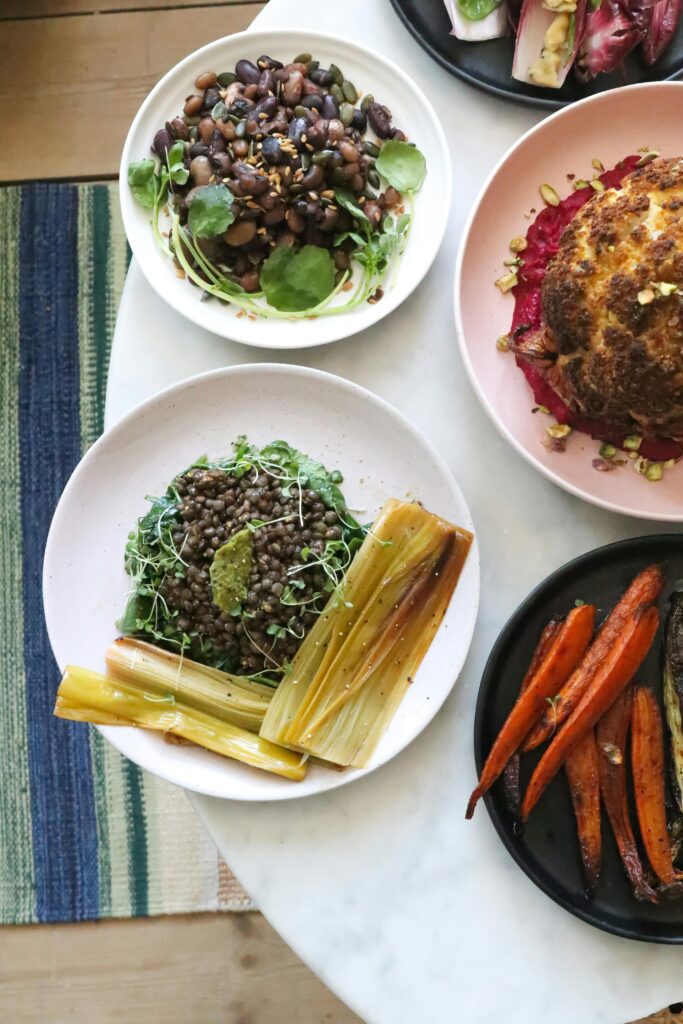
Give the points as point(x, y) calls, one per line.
point(380, 454)
point(608, 127)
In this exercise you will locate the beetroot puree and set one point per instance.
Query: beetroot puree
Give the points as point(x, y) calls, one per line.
point(543, 240)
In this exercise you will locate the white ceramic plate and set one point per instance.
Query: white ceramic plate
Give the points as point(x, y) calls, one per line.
point(381, 455)
point(609, 127)
point(371, 73)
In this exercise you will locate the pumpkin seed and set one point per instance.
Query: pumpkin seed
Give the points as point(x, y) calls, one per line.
point(370, 149)
point(191, 119)
point(337, 74)
point(346, 114)
point(366, 101)
point(323, 157)
point(373, 177)
point(350, 91)
point(303, 58)
point(336, 91)
point(227, 78)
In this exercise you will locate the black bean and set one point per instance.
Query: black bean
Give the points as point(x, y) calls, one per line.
point(211, 98)
point(297, 127)
point(330, 107)
point(380, 120)
point(163, 140)
point(321, 76)
point(267, 62)
point(359, 121)
point(271, 150)
point(312, 102)
point(199, 149)
point(247, 73)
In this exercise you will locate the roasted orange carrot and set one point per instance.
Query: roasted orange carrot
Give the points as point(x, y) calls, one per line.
point(647, 763)
point(644, 590)
point(618, 668)
point(562, 656)
point(583, 776)
point(611, 735)
point(511, 774)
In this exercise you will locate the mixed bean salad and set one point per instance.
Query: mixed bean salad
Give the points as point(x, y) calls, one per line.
point(277, 179)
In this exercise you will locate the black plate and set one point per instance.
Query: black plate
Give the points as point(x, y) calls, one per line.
point(547, 849)
point(489, 65)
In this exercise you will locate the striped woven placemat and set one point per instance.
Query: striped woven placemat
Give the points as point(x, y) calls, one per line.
point(84, 833)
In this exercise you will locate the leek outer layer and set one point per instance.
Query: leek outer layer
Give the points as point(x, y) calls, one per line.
point(354, 667)
point(87, 696)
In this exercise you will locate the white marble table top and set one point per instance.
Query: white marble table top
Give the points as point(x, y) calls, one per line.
point(409, 913)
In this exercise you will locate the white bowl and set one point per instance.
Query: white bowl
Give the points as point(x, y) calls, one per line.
point(371, 73)
point(608, 126)
point(381, 455)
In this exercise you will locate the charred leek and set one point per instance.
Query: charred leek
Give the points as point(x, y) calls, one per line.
point(356, 664)
point(673, 691)
point(159, 691)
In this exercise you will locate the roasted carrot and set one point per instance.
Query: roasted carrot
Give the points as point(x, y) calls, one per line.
point(611, 735)
point(618, 668)
point(647, 763)
point(644, 590)
point(583, 776)
point(562, 655)
point(511, 774)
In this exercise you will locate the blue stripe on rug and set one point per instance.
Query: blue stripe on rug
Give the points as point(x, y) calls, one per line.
point(62, 800)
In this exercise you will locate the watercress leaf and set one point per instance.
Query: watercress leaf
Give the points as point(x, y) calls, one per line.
point(143, 182)
point(210, 211)
point(296, 280)
point(343, 197)
point(402, 165)
point(388, 243)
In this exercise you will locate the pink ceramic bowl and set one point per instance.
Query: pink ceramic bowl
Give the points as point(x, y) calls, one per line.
point(608, 126)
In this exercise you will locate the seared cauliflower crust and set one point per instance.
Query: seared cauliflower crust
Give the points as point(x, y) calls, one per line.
point(617, 358)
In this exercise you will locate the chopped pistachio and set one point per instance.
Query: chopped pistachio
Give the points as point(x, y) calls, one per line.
point(654, 472)
point(641, 464)
point(544, 409)
point(666, 288)
point(518, 244)
point(580, 183)
point(597, 164)
point(503, 343)
point(633, 442)
point(516, 262)
point(611, 248)
point(607, 451)
point(669, 464)
point(646, 296)
point(507, 281)
point(549, 195)
point(559, 430)
point(647, 157)
point(597, 185)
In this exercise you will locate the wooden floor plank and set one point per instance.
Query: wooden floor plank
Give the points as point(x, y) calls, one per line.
point(73, 85)
point(204, 969)
point(10, 9)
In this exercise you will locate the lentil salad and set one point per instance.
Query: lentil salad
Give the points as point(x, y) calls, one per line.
point(278, 187)
point(302, 538)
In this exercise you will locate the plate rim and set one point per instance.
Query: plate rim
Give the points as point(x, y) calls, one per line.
point(385, 308)
point(337, 779)
point(516, 849)
point(603, 97)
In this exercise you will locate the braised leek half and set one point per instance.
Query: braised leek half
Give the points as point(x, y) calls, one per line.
point(355, 665)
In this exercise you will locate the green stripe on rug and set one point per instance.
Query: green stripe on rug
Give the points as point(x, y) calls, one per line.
point(16, 855)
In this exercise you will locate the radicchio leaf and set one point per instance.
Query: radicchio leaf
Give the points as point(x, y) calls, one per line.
point(610, 34)
point(664, 18)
